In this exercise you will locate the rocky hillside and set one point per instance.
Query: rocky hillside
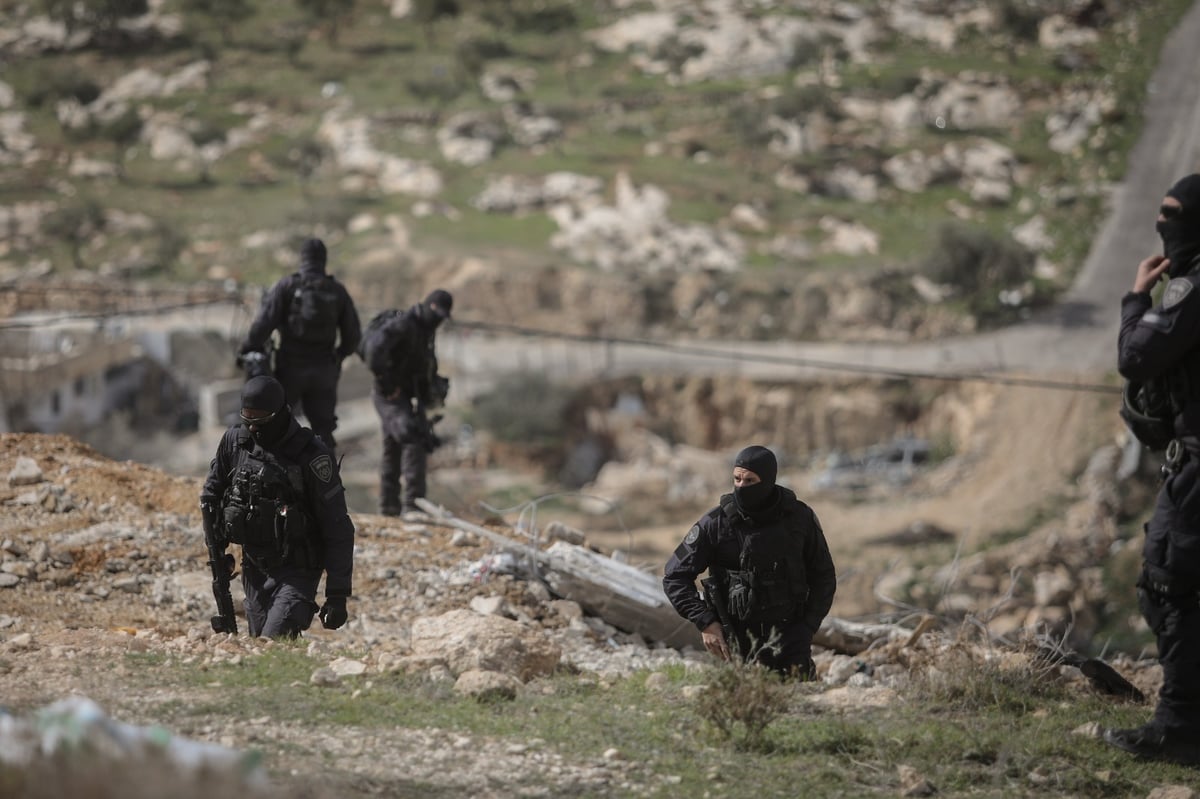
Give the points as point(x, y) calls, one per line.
point(103, 562)
point(762, 170)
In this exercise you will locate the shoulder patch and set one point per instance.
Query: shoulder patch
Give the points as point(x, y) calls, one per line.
point(692, 535)
point(1176, 292)
point(322, 467)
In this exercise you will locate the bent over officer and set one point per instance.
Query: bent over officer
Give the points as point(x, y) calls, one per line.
point(407, 386)
point(318, 328)
point(772, 578)
point(274, 489)
point(1159, 348)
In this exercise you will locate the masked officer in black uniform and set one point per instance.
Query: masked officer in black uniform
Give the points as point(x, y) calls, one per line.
point(407, 386)
point(1159, 349)
point(769, 566)
point(274, 489)
point(318, 327)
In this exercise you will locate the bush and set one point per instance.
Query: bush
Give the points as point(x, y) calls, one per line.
point(45, 85)
point(740, 701)
point(969, 677)
point(524, 408)
point(473, 53)
point(677, 52)
point(545, 18)
point(440, 86)
point(980, 265)
point(800, 101)
point(1021, 18)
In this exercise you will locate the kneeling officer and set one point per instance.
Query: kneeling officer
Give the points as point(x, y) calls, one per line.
point(771, 580)
point(274, 489)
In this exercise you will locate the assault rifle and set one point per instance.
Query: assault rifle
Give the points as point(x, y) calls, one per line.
point(221, 563)
point(255, 363)
point(714, 597)
point(423, 428)
point(432, 440)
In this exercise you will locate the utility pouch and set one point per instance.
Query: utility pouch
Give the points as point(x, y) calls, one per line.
point(1147, 415)
point(296, 545)
point(235, 524)
point(741, 595)
point(248, 527)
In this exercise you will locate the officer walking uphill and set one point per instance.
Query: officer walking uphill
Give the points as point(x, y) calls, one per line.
point(274, 489)
point(318, 328)
point(772, 578)
point(1159, 350)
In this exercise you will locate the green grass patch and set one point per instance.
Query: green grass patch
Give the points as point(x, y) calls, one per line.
point(973, 726)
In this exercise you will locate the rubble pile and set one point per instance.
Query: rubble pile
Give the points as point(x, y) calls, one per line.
point(1051, 581)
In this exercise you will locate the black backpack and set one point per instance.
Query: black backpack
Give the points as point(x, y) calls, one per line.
point(372, 347)
point(314, 310)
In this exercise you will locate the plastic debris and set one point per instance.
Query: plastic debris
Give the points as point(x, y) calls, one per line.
point(498, 563)
point(77, 724)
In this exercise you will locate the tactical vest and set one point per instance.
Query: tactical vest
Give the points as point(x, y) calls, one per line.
point(263, 511)
point(771, 583)
point(314, 310)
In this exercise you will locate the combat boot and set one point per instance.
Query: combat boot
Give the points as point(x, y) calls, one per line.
point(389, 501)
point(1152, 742)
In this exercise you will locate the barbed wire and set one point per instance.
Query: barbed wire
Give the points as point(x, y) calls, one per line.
point(682, 348)
point(701, 350)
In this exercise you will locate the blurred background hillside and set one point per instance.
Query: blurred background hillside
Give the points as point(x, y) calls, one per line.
point(695, 171)
point(719, 168)
point(886, 238)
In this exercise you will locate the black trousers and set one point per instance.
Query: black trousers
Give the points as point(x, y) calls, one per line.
point(1172, 566)
point(282, 603)
point(311, 383)
point(785, 647)
point(405, 458)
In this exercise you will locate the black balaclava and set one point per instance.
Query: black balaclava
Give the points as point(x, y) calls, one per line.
point(436, 307)
point(312, 256)
point(1181, 234)
point(264, 393)
point(760, 496)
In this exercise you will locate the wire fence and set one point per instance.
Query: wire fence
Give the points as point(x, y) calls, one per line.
point(557, 353)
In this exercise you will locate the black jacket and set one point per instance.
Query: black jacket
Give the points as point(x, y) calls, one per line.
point(324, 495)
point(273, 315)
point(715, 543)
point(1163, 342)
point(410, 362)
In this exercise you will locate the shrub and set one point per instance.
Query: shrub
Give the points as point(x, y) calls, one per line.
point(44, 85)
point(524, 408)
point(980, 265)
point(969, 677)
point(439, 86)
point(799, 101)
point(740, 701)
point(1021, 18)
point(544, 18)
point(101, 19)
point(677, 52)
point(473, 53)
point(74, 224)
point(974, 259)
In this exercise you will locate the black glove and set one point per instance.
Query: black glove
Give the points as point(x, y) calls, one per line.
point(334, 614)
